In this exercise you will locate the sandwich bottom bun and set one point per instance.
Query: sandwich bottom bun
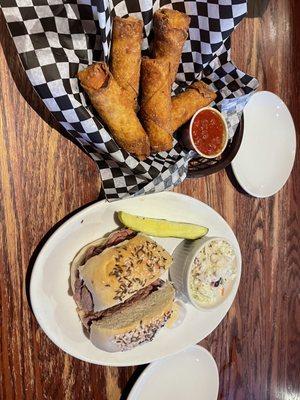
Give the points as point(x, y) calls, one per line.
point(136, 324)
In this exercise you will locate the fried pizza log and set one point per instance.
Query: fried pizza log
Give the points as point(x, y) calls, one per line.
point(114, 109)
point(125, 55)
point(170, 33)
point(185, 104)
point(155, 110)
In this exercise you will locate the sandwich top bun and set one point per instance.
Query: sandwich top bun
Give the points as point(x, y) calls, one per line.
point(119, 272)
point(136, 324)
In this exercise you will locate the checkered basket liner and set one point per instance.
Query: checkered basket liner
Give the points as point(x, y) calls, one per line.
point(56, 38)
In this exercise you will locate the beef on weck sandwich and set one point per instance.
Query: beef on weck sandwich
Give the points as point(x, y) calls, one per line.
point(116, 285)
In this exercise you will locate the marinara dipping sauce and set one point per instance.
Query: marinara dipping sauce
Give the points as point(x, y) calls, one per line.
point(208, 132)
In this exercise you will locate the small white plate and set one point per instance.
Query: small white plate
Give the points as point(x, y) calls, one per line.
point(191, 374)
point(55, 308)
point(267, 153)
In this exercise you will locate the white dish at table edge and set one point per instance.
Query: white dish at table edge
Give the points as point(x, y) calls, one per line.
point(55, 309)
point(191, 374)
point(266, 156)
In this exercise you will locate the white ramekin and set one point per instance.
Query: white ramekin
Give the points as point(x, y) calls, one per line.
point(183, 258)
point(187, 140)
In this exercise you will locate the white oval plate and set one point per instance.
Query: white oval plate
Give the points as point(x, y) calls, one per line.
point(55, 308)
point(267, 153)
point(191, 374)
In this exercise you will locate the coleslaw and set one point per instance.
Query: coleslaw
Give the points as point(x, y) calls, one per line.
point(213, 269)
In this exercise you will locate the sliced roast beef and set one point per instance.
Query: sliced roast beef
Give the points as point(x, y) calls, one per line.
point(119, 236)
point(86, 300)
point(91, 252)
point(113, 239)
point(141, 294)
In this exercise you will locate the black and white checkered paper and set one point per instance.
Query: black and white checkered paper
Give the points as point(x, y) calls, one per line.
point(57, 38)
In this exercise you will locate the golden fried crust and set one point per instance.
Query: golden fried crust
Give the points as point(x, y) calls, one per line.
point(170, 33)
point(185, 104)
point(115, 109)
point(173, 18)
point(125, 55)
point(156, 103)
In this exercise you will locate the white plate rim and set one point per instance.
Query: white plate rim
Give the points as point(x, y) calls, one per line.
point(132, 394)
point(235, 169)
point(81, 214)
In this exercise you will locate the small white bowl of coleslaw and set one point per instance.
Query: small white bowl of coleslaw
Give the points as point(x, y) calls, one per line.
point(204, 271)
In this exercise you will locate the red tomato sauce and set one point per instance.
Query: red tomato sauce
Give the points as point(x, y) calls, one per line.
point(208, 132)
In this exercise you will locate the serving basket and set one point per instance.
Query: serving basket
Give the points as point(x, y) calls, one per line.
point(57, 38)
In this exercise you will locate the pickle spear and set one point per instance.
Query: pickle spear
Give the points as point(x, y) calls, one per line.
point(162, 227)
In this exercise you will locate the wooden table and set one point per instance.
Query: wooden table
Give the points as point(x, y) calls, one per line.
point(44, 177)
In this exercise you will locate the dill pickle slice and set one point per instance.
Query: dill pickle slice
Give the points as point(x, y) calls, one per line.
point(162, 227)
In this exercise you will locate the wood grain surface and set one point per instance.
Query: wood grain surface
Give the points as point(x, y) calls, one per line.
point(45, 177)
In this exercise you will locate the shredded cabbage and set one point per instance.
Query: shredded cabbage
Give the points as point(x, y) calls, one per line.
point(213, 268)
